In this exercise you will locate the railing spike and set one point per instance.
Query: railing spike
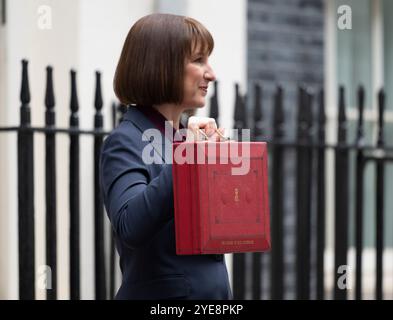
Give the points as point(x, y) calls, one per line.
point(214, 109)
point(381, 111)
point(98, 93)
point(74, 94)
point(25, 90)
point(49, 94)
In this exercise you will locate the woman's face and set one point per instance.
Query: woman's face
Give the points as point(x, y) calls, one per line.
point(198, 74)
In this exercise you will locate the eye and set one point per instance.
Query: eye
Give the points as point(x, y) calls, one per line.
point(199, 59)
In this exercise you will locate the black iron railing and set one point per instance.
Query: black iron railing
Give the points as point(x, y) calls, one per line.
point(310, 180)
point(26, 210)
point(310, 147)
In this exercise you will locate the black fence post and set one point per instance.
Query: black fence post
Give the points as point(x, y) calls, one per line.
point(50, 186)
point(113, 114)
point(214, 110)
point(99, 242)
point(239, 261)
point(303, 191)
point(341, 204)
point(379, 194)
point(112, 258)
point(240, 113)
point(257, 257)
point(122, 109)
point(26, 194)
point(359, 183)
point(320, 205)
point(257, 112)
point(74, 194)
point(277, 261)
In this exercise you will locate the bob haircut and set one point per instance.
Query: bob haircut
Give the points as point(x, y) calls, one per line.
point(150, 70)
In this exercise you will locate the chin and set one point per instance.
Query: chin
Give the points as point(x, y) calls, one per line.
point(201, 104)
point(196, 105)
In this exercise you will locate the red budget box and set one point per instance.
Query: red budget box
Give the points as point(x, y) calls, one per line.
point(221, 197)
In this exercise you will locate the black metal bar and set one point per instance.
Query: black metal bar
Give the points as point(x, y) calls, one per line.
point(74, 195)
point(73, 131)
point(240, 113)
point(239, 263)
point(122, 109)
point(50, 186)
point(239, 279)
point(277, 261)
point(300, 210)
point(359, 180)
point(307, 192)
point(341, 206)
point(320, 205)
point(26, 195)
point(112, 260)
point(237, 113)
point(243, 103)
point(303, 190)
point(214, 111)
point(257, 112)
point(113, 113)
point(382, 159)
point(370, 149)
point(100, 278)
point(256, 134)
point(3, 12)
point(379, 194)
point(256, 275)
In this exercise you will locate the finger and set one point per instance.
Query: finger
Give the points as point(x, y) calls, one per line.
point(216, 136)
point(211, 128)
point(202, 128)
point(192, 134)
point(221, 133)
point(202, 122)
point(203, 135)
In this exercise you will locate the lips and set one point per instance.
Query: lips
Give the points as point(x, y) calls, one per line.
point(203, 88)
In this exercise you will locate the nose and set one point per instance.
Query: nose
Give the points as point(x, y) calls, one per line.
point(209, 74)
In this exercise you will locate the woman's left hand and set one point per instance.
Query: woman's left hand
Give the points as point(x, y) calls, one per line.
point(216, 135)
point(204, 128)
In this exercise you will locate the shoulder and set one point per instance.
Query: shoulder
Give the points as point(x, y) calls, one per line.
point(126, 134)
point(122, 152)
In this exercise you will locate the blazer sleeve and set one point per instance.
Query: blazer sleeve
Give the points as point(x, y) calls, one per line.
point(137, 206)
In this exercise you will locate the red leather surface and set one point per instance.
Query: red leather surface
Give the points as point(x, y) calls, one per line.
point(217, 211)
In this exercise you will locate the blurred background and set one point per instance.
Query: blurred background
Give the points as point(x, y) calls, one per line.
point(313, 78)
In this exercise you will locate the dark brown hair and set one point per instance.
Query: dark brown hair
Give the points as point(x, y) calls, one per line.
point(151, 65)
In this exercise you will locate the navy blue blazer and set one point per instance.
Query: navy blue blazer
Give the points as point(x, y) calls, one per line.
point(138, 198)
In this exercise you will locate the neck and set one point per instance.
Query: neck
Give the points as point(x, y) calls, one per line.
point(171, 112)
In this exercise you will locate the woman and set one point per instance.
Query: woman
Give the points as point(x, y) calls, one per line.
point(163, 70)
